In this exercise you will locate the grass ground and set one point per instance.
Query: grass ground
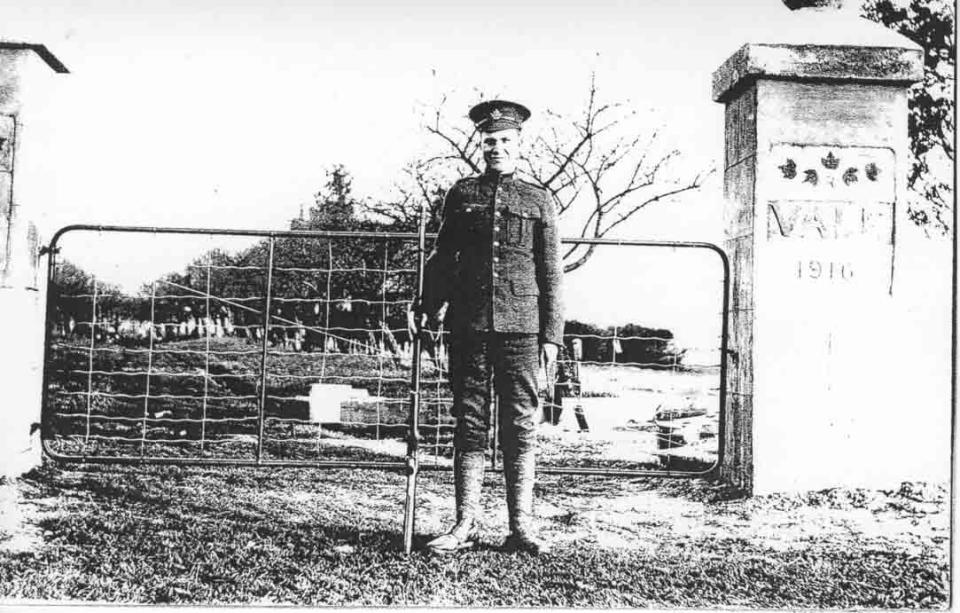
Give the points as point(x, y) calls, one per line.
point(312, 537)
point(229, 536)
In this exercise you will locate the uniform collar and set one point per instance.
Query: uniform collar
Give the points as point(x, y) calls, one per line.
point(504, 177)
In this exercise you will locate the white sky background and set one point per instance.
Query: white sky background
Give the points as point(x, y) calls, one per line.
point(226, 114)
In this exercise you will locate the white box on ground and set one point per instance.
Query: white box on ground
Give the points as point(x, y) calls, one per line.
point(326, 400)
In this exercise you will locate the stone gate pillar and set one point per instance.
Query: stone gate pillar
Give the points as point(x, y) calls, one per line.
point(815, 164)
point(25, 73)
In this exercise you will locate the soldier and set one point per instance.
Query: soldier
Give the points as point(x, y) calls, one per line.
point(496, 264)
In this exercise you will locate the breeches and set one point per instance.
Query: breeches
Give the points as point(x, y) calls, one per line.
point(512, 361)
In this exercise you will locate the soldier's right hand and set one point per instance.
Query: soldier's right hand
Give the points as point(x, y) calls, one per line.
point(421, 321)
point(416, 320)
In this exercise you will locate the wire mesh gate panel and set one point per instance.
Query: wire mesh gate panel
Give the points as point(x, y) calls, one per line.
point(638, 385)
point(269, 348)
point(292, 348)
point(639, 388)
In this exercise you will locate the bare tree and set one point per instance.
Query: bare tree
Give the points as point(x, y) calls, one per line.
point(421, 182)
point(600, 168)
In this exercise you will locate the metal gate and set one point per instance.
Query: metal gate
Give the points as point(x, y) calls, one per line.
point(292, 349)
point(638, 392)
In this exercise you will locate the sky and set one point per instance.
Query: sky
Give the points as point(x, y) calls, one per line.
point(227, 114)
point(180, 114)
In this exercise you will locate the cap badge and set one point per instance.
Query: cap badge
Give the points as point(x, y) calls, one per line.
point(495, 114)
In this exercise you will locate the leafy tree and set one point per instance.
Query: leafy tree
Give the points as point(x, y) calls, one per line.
point(334, 206)
point(217, 274)
point(75, 291)
point(650, 347)
point(356, 282)
point(349, 284)
point(930, 24)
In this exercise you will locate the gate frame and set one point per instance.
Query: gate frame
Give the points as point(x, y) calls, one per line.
point(411, 466)
point(713, 471)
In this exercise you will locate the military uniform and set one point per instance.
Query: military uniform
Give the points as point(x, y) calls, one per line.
point(496, 259)
point(496, 263)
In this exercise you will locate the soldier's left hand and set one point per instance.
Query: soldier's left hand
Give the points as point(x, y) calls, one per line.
point(416, 320)
point(548, 356)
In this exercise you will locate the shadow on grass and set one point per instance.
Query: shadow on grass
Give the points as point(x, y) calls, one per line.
point(692, 489)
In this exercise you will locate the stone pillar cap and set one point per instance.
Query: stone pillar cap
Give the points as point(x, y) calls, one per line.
point(805, 4)
point(825, 45)
point(40, 50)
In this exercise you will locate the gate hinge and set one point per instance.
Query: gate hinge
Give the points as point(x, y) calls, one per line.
point(46, 249)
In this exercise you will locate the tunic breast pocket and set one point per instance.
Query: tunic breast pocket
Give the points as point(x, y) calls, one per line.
point(475, 217)
point(521, 224)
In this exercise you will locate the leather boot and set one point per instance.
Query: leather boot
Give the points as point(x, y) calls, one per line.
point(519, 476)
point(468, 482)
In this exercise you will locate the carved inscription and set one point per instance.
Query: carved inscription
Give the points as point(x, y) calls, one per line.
point(825, 270)
point(830, 223)
point(813, 220)
point(830, 163)
point(808, 172)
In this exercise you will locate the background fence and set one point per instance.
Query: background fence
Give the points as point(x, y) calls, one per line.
point(293, 349)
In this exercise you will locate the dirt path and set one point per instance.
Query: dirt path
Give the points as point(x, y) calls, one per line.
point(643, 514)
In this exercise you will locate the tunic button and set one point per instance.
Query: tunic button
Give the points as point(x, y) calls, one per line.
point(495, 260)
point(495, 274)
point(496, 243)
